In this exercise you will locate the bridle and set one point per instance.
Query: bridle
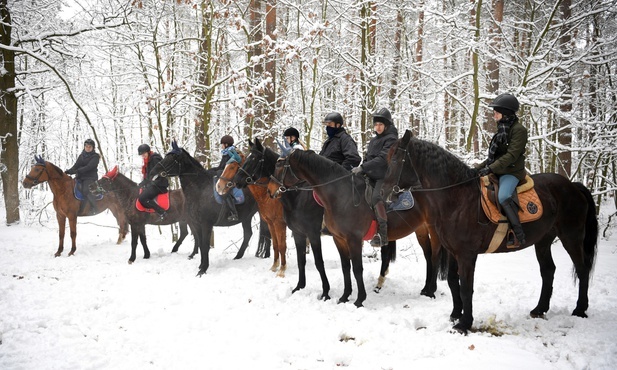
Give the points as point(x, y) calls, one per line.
point(281, 183)
point(252, 179)
point(416, 186)
point(35, 180)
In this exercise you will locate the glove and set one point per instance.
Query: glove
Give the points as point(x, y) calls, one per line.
point(357, 170)
point(484, 171)
point(68, 172)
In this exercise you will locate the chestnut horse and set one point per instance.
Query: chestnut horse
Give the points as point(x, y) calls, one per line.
point(65, 203)
point(348, 215)
point(270, 211)
point(203, 211)
point(127, 193)
point(450, 192)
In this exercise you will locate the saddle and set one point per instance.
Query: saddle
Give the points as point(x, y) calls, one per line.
point(79, 195)
point(525, 197)
point(161, 199)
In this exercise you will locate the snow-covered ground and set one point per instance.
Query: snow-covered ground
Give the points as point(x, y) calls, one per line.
point(94, 311)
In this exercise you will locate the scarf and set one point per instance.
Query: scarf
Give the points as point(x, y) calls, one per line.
point(501, 137)
point(144, 168)
point(332, 131)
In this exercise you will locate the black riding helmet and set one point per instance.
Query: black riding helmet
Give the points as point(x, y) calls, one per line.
point(90, 142)
point(383, 115)
point(227, 140)
point(291, 132)
point(505, 104)
point(334, 117)
point(143, 148)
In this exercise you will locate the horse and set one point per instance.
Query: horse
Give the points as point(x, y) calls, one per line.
point(299, 210)
point(203, 211)
point(450, 191)
point(270, 211)
point(127, 193)
point(348, 215)
point(65, 203)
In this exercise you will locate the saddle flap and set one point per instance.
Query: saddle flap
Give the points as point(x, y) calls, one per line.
point(79, 195)
point(161, 199)
point(530, 206)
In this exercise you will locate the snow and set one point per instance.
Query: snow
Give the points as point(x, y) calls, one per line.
point(95, 311)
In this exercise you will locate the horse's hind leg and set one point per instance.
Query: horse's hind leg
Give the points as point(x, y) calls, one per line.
point(300, 241)
point(61, 231)
point(183, 233)
point(358, 270)
point(346, 267)
point(248, 232)
point(455, 290)
point(583, 271)
point(547, 271)
point(315, 240)
point(73, 227)
point(134, 236)
point(386, 257)
point(144, 243)
point(281, 236)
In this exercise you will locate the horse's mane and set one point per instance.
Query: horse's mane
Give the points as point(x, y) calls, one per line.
point(443, 166)
point(315, 163)
point(124, 181)
point(271, 157)
point(56, 168)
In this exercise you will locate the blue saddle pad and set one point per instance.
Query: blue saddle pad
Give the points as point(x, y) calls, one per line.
point(237, 194)
point(78, 193)
point(404, 202)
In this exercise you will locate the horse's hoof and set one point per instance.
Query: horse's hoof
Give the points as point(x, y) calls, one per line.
point(458, 328)
point(537, 314)
point(57, 254)
point(427, 294)
point(579, 313)
point(146, 257)
point(201, 273)
point(324, 297)
point(343, 300)
point(358, 304)
point(377, 289)
point(191, 256)
point(131, 262)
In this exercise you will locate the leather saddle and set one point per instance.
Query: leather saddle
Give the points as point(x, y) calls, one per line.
point(161, 199)
point(529, 204)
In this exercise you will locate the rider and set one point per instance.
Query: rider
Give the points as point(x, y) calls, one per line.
point(292, 136)
point(85, 169)
point(151, 186)
point(340, 147)
point(506, 157)
point(374, 167)
point(229, 154)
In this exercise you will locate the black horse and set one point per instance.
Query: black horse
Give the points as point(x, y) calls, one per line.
point(126, 192)
point(203, 211)
point(450, 192)
point(348, 215)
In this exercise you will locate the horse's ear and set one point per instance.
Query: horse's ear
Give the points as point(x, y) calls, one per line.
point(406, 138)
point(258, 145)
point(39, 159)
point(174, 145)
point(250, 143)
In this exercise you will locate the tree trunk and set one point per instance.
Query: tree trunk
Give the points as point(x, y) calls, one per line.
point(9, 160)
point(492, 65)
point(565, 132)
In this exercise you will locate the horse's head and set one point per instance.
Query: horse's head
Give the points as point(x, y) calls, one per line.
point(253, 167)
point(38, 173)
point(400, 175)
point(225, 181)
point(283, 177)
point(171, 165)
point(105, 183)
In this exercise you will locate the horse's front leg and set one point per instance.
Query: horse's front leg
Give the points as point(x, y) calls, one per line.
point(73, 227)
point(455, 290)
point(315, 240)
point(358, 269)
point(300, 241)
point(61, 230)
point(431, 273)
point(144, 243)
point(134, 236)
point(466, 271)
point(204, 249)
point(248, 232)
point(341, 246)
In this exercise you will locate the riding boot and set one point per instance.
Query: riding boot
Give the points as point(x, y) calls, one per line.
point(231, 205)
point(510, 210)
point(151, 203)
point(381, 238)
point(82, 206)
point(92, 202)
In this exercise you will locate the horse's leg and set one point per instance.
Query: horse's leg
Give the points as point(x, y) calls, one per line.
point(574, 245)
point(73, 227)
point(358, 269)
point(265, 240)
point(346, 267)
point(248, 232)
point(197, 237)
point(204, 249)
point(281, 231)
point(455, 290)
point(386, 257)
point(61, 230)
point(275, 245)
point(134, 236)
point(430, 282)
point(547, 272)
point(466, 271)
point(184, 231)
point(315, 240)
point(144, 243)
point(300, 241)
point(123, 230)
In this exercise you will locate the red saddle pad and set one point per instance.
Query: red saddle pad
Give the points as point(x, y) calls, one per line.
point(161, 199)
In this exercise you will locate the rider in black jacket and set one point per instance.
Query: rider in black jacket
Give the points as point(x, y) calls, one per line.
point(151, 187)
point(85, 171)
point(340, 147)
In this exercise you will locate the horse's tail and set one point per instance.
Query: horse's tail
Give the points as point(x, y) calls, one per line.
point(442, 269)
point(391, 251)
point(590, 242)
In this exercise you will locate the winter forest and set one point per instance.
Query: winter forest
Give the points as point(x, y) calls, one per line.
point(126, 72)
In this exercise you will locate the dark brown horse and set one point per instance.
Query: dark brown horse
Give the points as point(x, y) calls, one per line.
point(348, 215)
point(65, 203)
point(450, 193)
point(127, 193)
point(203, 211)
point(270, 211)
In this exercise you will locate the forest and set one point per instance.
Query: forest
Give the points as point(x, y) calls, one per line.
point(126, 72)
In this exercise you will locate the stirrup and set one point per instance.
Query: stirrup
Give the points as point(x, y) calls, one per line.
point(232, 217)
point(376, 241)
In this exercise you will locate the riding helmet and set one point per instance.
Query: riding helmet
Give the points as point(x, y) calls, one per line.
point(143, 148)
point(291, 132)
point(383, 115)
point(334, 117)
point(90, 142)
point(227, 140)
point(505, 104)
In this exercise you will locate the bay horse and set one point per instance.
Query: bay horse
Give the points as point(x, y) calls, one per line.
point(347, 214)
point(450, 192)
point(65, 203)
point(127, 193)
point(203, 211)
point(300, 212)
point(270, 211)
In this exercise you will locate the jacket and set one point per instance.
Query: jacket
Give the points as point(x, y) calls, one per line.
point(376, 159)
point(510, 157)
point(85, 168)
point(342, 149)
point(161, 182)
